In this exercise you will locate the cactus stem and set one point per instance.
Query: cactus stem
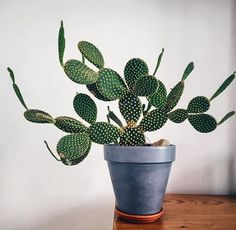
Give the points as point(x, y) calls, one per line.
point(51, 151)
point(158, 61)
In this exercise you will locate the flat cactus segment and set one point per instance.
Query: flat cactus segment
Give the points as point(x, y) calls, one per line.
point(203, 123)
point(158, 99)
point(145, 86)
point(188, 70)
point(93, 89)
point(73, 146)
point(16, 88)
point(158, 61)
point(91, 53)
point(226, 117)
point(132, 137)
point(154, 120)
point(110, 84)
point(130, 107)
point(111, 115)
point(79, 72)
point(174, 96)
point(61, 44)
point(223, 86)
point(198, 104)
point(85, 107)
point(134, 69)
point(69, 125)
point(178, 115)
point(103, 133)
point(38, 116)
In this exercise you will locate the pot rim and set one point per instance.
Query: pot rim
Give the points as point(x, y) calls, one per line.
point(139, 154)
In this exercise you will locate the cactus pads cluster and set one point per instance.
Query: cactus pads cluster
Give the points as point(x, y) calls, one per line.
point(143, 100)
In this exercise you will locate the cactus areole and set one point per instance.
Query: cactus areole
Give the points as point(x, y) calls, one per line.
point(143, 100)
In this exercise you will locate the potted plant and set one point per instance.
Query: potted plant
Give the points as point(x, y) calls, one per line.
point(139, 170)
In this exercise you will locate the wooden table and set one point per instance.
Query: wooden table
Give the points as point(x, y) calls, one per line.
point(190, 212)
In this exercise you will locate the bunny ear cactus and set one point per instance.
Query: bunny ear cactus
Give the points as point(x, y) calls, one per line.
point(107, 85)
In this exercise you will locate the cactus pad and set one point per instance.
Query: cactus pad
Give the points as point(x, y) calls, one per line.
point(203, 123)
point(103, 133)
point(91, 53)
point(132, 137)
point(110, 84)
point(85, 107)
point(38, 116)
point(198, 104)
point(158, 99)
point(73, 146)
point(134, 69)
point(178, 115)
point(174, 96)
point(93, 89)
point(130, 107)
point(188, 70)
point(79, 72)
point(153, 120)
point(61, 44)
point(69, 125)
point(145, 85)
point(226, 117)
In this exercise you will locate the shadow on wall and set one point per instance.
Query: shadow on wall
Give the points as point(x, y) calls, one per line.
point(232, 134)
point(89, 217)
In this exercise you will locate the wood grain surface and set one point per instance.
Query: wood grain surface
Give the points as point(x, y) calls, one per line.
point(190, 212)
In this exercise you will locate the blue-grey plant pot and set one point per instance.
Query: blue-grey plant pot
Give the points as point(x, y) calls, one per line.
point(139, 176)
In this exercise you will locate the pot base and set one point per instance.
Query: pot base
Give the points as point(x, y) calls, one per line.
point(139, 219)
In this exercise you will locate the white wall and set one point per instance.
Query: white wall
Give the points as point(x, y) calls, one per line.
point(37, 192)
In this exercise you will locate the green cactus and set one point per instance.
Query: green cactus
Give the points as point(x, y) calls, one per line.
point(73, 147)
point(79, 72)
point(130, 107)
point(153, 120)
point(178, 115)
point(159, 98)
point(61, 44)
point(69, 125)
point(134, 69)
point(110, 84)
point(145, 85)
point(85, 107)
point(94, 90)
point(38, 116)
point(132, 136)
point(103, 133)
point(91, 53)
point(198, 104)
point(226, 117)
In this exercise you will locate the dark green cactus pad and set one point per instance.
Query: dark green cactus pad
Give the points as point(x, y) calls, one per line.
point(69, 125)
point(174, 96)
point(111, 115)
point(93, 89)
point(61, 44)
point(203, 123)
point(134, 69)
point(103, 133)
point(158, 61)
point(226, 117)
point(188, 70)
point(110, 84)
point(73, 146)
point(145, 86)
point(132, 137)
point(158, 99)
point(130, 107)
point(178, 115)
point(38, 116)
point(91, 53)
point(85, 107)
point(198, 104)
point(223, 86)
point(153, 120)
point(79, 72)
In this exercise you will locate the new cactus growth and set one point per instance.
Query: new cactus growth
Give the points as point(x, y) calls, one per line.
point(107, 85)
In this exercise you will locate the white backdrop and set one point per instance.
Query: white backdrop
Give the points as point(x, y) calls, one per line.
point(38, 193)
